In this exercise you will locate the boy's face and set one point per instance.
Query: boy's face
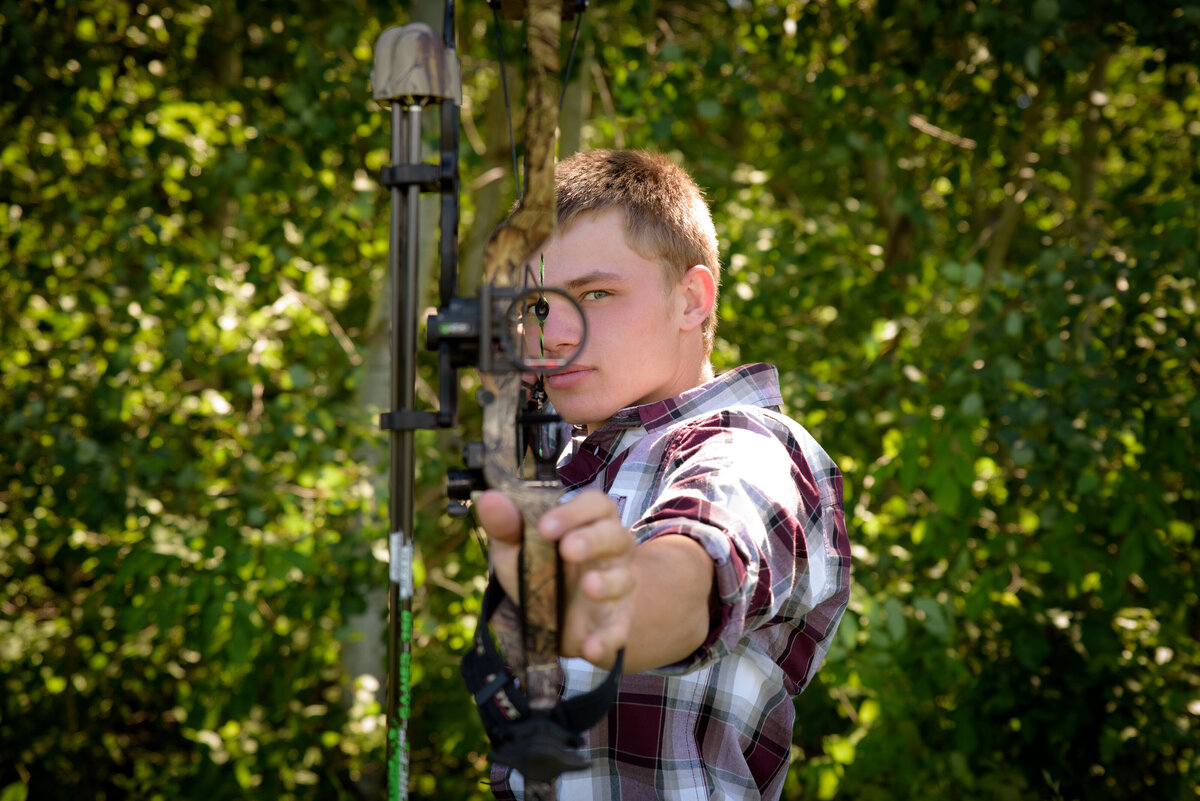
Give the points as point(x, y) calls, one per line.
point(637, 347)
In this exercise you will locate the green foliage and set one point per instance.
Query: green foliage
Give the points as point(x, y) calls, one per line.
point(966, 234)
point(188, 257)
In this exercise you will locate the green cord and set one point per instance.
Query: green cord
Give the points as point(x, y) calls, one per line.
point(542, 308)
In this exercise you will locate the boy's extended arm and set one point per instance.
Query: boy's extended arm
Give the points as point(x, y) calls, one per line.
point(654, 599)
point(673, 602)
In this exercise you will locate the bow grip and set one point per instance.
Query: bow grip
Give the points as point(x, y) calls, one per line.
point(541, 591)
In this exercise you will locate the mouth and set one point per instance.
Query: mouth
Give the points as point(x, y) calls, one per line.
point(568, 378)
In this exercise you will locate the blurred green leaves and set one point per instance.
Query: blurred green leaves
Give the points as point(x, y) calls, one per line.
point(180, 499)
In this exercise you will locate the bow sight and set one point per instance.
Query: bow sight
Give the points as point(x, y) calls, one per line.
point(495, 334)
point(503, 334)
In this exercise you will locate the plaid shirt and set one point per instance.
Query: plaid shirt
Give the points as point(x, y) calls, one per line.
point(720, 464)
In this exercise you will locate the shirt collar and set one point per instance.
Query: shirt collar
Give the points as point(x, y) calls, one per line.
point(748, 385)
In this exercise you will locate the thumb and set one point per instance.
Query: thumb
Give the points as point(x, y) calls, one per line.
point(499, 517)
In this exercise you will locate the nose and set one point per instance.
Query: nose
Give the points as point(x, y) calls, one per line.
point(555, 330)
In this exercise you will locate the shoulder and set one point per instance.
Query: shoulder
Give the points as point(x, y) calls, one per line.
point(738, 425)
point(757, 444)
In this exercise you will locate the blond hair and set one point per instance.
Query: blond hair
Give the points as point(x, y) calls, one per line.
point(666, 217)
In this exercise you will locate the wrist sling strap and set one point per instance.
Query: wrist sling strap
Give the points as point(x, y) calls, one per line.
point(541, 744)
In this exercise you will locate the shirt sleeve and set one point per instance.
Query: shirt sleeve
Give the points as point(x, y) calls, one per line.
point(743, 485)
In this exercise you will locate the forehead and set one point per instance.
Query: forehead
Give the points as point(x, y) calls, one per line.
point(593, 243)
point(603, 227)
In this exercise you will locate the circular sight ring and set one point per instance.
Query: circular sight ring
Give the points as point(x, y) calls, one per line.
point(525, 322)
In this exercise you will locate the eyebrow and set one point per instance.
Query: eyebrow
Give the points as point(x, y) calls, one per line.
point(595, 276)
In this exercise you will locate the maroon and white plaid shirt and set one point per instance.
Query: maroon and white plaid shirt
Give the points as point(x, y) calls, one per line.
point(720, 464)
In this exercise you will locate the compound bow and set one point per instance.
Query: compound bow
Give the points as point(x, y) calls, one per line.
point(531, 730)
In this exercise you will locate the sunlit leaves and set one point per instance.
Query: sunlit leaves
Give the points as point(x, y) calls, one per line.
point(181, 409)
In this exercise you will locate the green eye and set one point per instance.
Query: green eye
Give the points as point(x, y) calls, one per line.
point(596, 294)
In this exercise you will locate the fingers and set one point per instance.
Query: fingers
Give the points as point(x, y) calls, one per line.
point(499, 516)
point(605, 628)
point(601, 647)
point(598, 554)
point(587, 525)
point(588, 528)
point(607, 583)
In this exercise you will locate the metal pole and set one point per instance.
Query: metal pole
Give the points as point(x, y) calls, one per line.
point(412, 67)
point(403, 263)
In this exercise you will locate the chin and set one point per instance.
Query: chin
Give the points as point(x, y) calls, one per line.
point(575, 419)
point(576, 416)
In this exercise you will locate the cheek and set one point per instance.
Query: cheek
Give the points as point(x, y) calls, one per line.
point(601, 331)
point(623, 335)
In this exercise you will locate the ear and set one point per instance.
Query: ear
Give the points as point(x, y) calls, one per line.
point(697, 293)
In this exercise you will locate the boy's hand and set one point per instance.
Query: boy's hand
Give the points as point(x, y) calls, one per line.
point(597, 554)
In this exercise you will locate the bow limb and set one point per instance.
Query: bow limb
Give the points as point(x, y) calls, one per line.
point(533, 221)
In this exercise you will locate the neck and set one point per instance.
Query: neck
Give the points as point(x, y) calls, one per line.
point(703, 375)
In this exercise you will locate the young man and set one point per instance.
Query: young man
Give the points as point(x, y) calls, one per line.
point(702, 530)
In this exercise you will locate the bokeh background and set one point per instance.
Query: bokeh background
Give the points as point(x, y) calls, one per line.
point(966, 233)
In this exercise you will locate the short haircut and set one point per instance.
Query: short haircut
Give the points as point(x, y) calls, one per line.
point(666, 217)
